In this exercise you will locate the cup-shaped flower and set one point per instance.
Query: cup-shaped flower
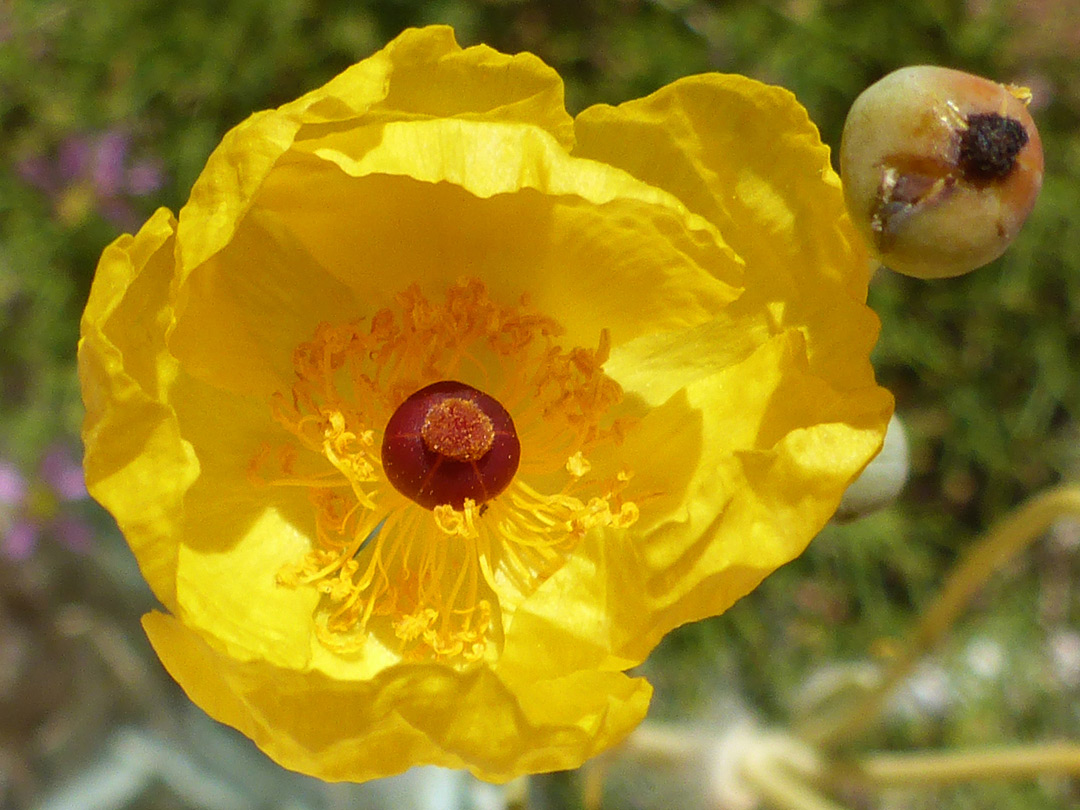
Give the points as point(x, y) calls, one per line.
point(659, 308)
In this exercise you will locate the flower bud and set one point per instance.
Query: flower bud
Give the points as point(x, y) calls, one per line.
point(940, 169)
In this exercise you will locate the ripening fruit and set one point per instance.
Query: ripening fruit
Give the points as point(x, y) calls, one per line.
point(449, 442)
point(940, 169)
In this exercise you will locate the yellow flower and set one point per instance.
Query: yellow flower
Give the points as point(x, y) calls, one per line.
point(666, 299)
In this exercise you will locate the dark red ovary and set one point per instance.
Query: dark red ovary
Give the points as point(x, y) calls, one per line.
point(431, 479)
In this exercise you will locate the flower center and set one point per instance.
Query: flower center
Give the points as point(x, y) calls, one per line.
point(441, 582)
point(448, 443)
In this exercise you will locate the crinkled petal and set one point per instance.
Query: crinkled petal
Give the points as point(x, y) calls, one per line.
point(439, 200)
point(238, 532)
point(424, 73)
point(633, 236)
point(746, 157)
point(248, 306)
point(421, 74)
point(137, 463)
point(736, 474)
point(781, 444)
point(407, 715)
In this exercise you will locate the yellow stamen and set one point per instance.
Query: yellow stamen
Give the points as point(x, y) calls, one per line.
point(431, 583)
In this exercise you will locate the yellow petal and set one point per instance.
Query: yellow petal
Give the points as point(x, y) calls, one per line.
point(779, 446)
point(657, 365)
point(424, 73)
point(137, 464)
point(746, 157)
point(642, 243)
point(407, 715)
point(421, 74)
point(734, 476)
point(247, 307)
point(238, 533)
point(439, 200)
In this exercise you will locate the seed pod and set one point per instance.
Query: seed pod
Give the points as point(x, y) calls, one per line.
point(940, 169)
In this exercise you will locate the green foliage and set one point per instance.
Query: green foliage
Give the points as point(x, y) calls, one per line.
point(985, 368)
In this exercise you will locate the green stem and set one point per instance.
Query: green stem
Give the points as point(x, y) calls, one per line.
point(1011, 763)
point(1002, 543)
point(781, 788)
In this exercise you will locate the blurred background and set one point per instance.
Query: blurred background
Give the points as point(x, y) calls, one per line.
point(109, 109)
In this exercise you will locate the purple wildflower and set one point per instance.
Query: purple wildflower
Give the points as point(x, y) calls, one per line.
point(36, 508)
point(94, 171)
